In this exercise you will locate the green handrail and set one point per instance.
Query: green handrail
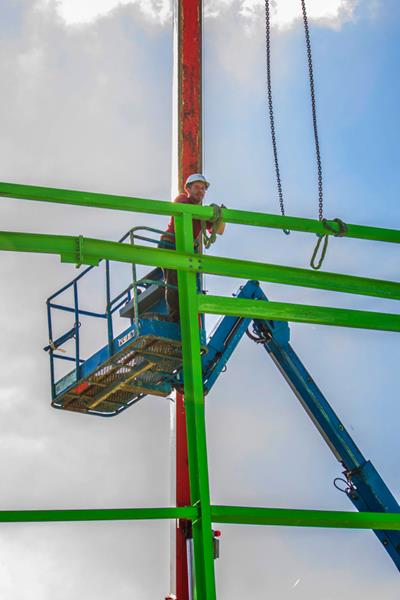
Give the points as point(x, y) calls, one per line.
point(160, 207)
point(82, 250)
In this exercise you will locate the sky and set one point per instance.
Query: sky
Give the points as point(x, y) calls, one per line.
point(86, 104)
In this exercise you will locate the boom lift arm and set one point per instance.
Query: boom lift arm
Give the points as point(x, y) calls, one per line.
point(364, 486)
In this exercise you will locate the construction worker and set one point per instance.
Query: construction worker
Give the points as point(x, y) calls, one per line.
point(195, 189)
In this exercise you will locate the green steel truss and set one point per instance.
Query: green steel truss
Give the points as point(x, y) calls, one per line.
point(81, 250)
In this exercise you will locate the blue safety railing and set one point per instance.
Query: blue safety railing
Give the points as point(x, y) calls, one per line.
point(112, 305)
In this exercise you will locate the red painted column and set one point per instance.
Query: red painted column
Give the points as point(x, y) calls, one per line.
point(189, 89)
point(182, 499)
point(189, 121)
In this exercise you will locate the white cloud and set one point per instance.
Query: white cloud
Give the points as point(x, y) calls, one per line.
point(21, 445)
point(76, 12)
point(284, 13)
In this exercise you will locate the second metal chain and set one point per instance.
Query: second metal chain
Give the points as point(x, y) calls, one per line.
point(314, 112)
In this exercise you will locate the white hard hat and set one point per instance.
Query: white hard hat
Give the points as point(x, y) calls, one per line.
point(197, 177)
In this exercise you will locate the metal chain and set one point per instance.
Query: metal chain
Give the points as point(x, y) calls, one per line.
point(271, 108)
point(314, 111)
point(313, 107)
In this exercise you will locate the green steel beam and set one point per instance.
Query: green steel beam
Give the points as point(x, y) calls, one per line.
point(141, 205)
point(305, 518)
point(98, 514)
point(300, 313)
point(246, 269)
point(195, 418)
point(90, 251)
point(362, 232)
point(96, 200)
point(243, 515)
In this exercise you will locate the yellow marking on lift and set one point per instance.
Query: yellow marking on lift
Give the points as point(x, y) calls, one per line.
point(112, 389)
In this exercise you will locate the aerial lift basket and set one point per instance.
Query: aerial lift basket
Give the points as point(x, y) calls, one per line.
point(143, 359)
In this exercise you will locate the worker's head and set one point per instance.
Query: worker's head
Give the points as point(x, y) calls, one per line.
point(196, 186)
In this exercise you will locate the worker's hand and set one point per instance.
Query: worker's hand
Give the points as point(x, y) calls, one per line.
point(221, 225)
point(221, 228)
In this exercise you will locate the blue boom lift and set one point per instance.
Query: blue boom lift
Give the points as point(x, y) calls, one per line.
point(145, 358)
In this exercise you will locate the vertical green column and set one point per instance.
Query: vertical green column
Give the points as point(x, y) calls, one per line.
point(195, 418)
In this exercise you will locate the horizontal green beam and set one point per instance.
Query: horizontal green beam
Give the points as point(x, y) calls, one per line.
point(96, 200)
point(98, 514)
point(219, 514)
point(305, 518)
point(300, 313)
point(91, 251)
point(246, 269)
point(141, 205)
